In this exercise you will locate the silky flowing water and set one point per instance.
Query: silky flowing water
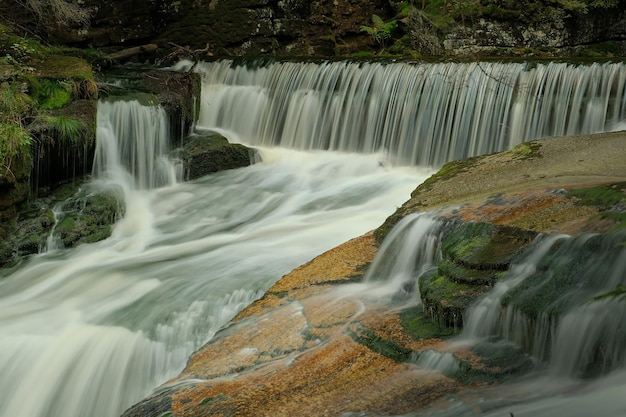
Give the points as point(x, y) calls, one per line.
point(91, 330)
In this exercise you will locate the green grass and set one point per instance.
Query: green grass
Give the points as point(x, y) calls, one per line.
point(66, 129)
point(53, 94)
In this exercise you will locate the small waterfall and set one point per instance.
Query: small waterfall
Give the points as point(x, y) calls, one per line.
point(132, 146)
point(484, 318)
point(410, 249)
point(444, 362)
point(564, 303)
point(591, 334)
point(420, 114)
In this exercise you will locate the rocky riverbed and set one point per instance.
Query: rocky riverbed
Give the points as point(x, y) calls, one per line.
point(315, 345)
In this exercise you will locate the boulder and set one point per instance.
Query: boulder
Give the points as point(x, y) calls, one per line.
point(204, 154)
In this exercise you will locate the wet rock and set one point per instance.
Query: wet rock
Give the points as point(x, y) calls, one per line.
point(499, 360)
point(206, 154)
point(68, 216)
point(87, 218)
point(177, 92)
point(474, 256)
point(304, 349)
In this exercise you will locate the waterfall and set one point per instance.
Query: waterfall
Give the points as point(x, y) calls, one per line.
point(133, 142)
point(564, 303)
point(410, 249)
point(484, 317)
point(94, 329)
point(420, 114)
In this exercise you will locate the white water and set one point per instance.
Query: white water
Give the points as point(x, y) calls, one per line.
point(421, 114)
point(586, 341)
point(484, 317)
point(90, 331)
point(410, 249)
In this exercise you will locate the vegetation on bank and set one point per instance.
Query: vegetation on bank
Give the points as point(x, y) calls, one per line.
point(442, 12)
point(36, 83)
point(441, 16)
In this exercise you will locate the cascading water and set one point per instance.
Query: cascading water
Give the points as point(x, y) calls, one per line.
point(562, 303)
point(410, 249)
point(134, 139)
point(421, 114)
point(565, 302)
point(91, 330)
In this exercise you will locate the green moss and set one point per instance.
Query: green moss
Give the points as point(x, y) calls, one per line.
point(499, 361)
point(87, 219)
point(448, 171)
point(416, 324)
point(464, 275)
point(363, 54)
point(526, 150)
point(64, 67)
point(604, 197)
point(446, 301)
point(609, 199)
point(484, 245)
point(383, 346)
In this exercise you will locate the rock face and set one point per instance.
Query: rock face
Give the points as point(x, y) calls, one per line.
point(558, 35)
point(332, 28)
point(177, 92)
point(313, 345)
point(235, 27)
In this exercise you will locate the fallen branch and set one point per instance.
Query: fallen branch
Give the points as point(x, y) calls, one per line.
point(130, 52)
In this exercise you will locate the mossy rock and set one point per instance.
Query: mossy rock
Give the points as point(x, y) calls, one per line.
point(64, 67)
point(206, 154)
point(11, 195)
point(572, 273)
point(485, 246)
point(461, 274)
point(446, 172)
point(415, 323)
point(610, 199)
point(177, 92)
point(526, 150)
point(87, 219)
point(381, 345)
point(500, 360)
point(446, 301)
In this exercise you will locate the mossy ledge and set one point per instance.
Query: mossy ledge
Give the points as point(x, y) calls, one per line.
point(70, 215)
